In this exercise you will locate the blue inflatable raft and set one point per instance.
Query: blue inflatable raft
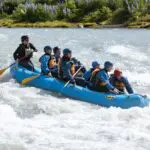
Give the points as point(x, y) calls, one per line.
point(77, 92)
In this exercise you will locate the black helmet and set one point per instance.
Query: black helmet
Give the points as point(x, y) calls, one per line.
point(108, 64)
point(24, 38)
point(47, 49)
point(55, 49)
point(66, 51)
point(76, 61)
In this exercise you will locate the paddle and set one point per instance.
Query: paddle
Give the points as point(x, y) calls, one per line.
point(3, 70)
point(27, 80)
point(73, 76)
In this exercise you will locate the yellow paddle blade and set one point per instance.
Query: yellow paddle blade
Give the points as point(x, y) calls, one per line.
point(3, 70)
point(27, 80)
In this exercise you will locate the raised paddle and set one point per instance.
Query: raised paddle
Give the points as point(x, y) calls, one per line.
point(27, 80)
point(73, 76)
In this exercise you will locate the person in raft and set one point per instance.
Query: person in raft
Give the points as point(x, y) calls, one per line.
point(67, 69)
point(78, 64)
point(48, 63)
point(57, 53)
point(24, 53)
point(120, 82)
point(87, 75)
point(100, 79)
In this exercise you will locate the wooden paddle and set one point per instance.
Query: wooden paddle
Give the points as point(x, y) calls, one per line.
point(27, 80)
point(73, 76)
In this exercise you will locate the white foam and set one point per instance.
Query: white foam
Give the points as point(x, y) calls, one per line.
point(141, 78)
point(127, 52)
point(35, 119)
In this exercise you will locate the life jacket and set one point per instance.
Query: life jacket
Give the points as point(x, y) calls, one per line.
point(93, 78)
point(52, 62)
point(60, 71)
point(73, 69)
point(119, 85)
point(28, 52)
point(57, 59)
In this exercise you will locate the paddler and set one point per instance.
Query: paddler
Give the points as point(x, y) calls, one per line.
point(48, 63)
point(24, 53)
point(78, 64)
point(67, 69)
point(100, 79)
point(57, 53)
point(88, 74)
point(120, 82)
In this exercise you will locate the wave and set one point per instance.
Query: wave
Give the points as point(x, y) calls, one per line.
point(127, 52)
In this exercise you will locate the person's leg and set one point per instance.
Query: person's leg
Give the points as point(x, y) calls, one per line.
point(27, 64)
point(99, 88)
point(55, 74)
point(30, 65)
point(80, 81)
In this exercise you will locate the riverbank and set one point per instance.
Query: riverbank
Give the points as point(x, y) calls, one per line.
point(62, 24)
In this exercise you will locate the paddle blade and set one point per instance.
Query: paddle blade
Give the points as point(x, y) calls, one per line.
point(3, 70)
point(27, 80)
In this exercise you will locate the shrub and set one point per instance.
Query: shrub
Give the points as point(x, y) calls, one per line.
point(34, 13)
point(121, 15)
point(10, 5)
point(99, 15)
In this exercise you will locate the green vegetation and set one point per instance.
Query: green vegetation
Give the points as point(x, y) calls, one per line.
point(74, 13)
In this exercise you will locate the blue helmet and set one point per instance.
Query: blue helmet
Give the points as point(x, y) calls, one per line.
point(108, 64)
point(66, 51)
point(48, 49)
point(95, 64)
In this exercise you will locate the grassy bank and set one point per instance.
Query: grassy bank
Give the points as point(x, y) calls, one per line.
point(141, 23)
point(48, 24)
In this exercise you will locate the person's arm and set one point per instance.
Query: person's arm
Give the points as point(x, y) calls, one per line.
point(19, 53)
point(68, 69)
point(104, 79)
point(44, 62)
point(111, 80)
point(16, 53)
point(33, 47)
point(128, 86)
point(54, 69)
point(86, 76)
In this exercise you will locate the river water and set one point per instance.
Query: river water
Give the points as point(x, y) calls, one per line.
point(34, 119)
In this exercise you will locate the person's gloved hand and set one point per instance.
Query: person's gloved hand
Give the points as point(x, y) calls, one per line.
point(83, 69)
point(72, 81)
point(49, 74)
point(116, 91)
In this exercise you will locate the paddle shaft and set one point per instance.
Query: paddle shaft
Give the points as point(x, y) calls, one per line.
point(73, 76)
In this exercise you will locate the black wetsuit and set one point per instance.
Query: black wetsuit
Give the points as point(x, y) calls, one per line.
point(25, 60)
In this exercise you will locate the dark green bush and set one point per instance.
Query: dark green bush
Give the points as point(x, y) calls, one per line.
point(10, 5)
point(99, 15)
point(121, 15)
